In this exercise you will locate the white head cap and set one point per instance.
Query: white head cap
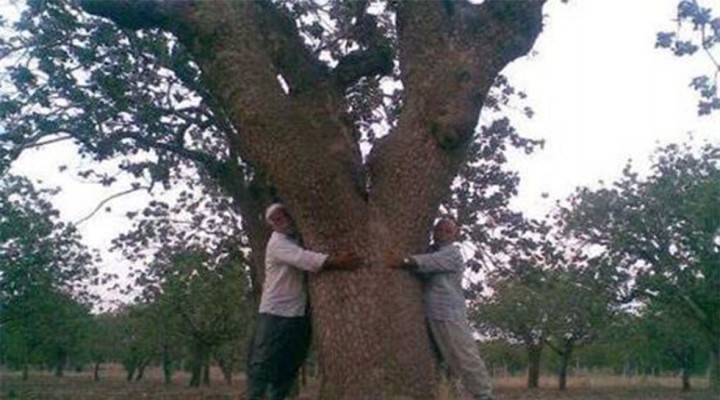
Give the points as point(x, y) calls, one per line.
point(271, 209)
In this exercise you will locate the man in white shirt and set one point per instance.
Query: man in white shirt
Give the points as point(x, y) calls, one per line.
point(441, 270)
point(282, 334)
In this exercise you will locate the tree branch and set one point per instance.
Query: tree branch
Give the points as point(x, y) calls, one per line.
point(376, 59)
point(137, 14)
point(107, 200)
point(450, 55)
point(288, 52)
point(37, 143)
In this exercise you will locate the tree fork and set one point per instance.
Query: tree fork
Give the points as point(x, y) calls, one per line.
point(369, 324)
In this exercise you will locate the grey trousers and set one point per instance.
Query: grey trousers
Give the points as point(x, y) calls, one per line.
point(459, 351)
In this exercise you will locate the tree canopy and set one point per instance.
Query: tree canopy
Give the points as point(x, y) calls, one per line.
point(663, 231)
point(45, 278)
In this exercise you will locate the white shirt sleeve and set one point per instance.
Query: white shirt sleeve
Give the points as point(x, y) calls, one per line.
point(288, 252)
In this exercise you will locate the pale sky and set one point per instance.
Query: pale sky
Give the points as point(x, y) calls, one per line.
point(603, 94)
point(600, 90)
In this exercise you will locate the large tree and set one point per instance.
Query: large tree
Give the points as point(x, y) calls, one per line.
point(286, 114)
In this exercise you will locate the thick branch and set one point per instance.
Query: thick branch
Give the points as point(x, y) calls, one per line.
point(240, 55)
point(359, 64)
point(375, 59)
point(204, 160)
point(450, 54)
point(298, 66)
point(137, 14)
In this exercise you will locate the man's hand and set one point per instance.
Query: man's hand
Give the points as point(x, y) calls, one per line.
point(344, 260)
point(401, 263)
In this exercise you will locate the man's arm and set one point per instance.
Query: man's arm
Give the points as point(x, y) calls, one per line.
point(447, 259)
point(343, 260)
point(285, 250)
point(289, 252)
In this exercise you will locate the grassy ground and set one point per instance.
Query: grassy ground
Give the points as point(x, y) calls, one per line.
point(604, 388)
point(112, 386)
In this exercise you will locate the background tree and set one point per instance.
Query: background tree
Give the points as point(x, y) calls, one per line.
point(516, 313)
point(663, 230)
point(207, 304)
point(580, 306)
point(143, 336)
point(105, 340)
point(680, 348)
point(196, 277)
point(45, 275)
point(550, 294)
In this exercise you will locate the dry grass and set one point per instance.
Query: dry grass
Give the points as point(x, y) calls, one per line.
point(112, 386)
point(605, 387)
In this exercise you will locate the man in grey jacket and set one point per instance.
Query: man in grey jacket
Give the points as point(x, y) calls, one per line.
point(282, 335)
point(441, 270)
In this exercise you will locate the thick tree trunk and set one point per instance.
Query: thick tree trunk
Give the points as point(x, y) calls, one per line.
point(200, 365)
point(96, 371)
point(562, 374)
point(368, 324)
point(196, 364)
point(141, 370)
point(227, 373)
point(129, 372)
point(534, 353)
point(206, 373)
point(226, 363)
point(59, 366)
point(370, 333)
point(685, 376)
point(715, 367)
point(167, 365)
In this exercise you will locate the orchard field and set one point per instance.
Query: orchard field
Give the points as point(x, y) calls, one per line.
point(113, 386)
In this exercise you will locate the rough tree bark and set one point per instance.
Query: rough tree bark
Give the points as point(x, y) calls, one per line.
point(368, 324)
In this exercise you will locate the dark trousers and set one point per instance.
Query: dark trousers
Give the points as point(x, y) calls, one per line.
point(277, 350)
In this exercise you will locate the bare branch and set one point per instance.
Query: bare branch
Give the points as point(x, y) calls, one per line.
point(107, 200)
point(37, 143)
